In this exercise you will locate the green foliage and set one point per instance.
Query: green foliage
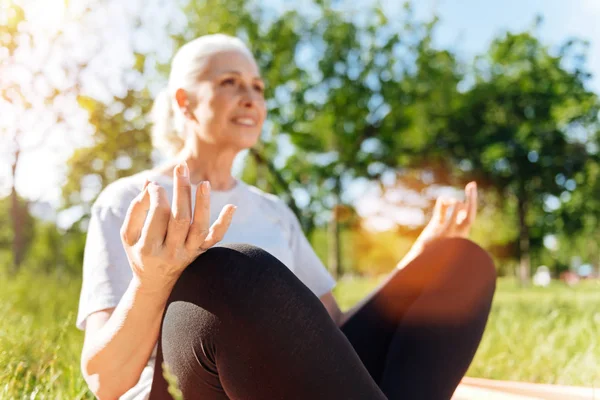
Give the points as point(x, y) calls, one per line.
point(354, 100)
point(54, 251)
point(47, 248)
point(525, 128)
point(121, 147)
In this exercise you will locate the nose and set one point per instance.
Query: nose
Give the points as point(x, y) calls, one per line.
point(246, 101)
point(247, 96)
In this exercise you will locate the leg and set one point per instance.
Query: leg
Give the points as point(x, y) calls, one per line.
point(240, 325)
point(419, 332)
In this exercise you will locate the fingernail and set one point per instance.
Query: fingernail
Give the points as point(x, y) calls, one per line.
point(186, 169)
point(182, 169)
point(205, 188)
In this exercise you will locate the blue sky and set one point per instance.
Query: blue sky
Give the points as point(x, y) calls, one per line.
point(468, 26)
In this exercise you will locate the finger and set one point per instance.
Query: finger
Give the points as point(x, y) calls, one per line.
point(155, 229)
point(471, 195)
point(219, 228)
point(135, 218)
point(437, 209)
point(449, 226)
point(461, 215)
point(469, 211)
point(181, 209)
point(201, 222)
point(440, 211)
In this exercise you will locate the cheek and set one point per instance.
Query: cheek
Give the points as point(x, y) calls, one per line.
point(221, 104)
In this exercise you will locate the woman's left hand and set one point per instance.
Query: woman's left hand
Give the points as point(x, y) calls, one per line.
point(457, 224)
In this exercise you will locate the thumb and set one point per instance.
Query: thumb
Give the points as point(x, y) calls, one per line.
point(449, 224)
point(135, 218)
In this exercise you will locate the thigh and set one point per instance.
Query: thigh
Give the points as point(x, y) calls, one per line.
point(446, 289)
point(240, 325)
point(188, 333)
point(372, 328)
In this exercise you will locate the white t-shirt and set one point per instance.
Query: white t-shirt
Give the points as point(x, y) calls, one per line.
point(261, 219)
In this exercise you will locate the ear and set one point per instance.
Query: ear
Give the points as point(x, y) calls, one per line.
point(183, 102)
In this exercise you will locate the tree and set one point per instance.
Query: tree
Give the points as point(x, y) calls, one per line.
point(379, 94)
point(578, 218)
point(30, 101)
point(7, 235)
point(121, 147)
point(523, 127)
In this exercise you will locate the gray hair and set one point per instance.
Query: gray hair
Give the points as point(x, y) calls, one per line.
point(188, 63)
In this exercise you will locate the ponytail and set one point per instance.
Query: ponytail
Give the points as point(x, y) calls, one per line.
point(166, 136)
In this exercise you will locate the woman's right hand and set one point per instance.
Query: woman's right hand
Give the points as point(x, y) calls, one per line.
point(160, 240)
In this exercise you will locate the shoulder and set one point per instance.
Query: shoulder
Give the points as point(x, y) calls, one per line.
point(117, 195)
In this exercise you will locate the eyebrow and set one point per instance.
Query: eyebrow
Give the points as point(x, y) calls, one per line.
point(239, 74)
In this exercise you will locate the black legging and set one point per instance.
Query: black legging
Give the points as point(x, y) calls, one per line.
point(240, 325)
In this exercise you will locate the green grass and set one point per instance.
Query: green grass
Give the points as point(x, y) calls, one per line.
point(539, 335)
point(39, 344)
point(542, 335)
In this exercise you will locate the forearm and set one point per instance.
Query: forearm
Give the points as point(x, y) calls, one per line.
point(414, 251)
point(115, 357)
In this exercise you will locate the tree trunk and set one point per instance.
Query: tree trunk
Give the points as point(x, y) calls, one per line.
point(334, 250)
point(17, 221)
point(281, 183)
point(596, 256)
point(524, 256)
point(334, 245)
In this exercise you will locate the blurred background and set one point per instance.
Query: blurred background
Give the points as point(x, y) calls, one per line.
point(375, 109)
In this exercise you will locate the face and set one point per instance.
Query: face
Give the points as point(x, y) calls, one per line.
point(227, 108)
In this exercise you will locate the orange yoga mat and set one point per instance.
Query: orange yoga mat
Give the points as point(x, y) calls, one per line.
point(488, 389)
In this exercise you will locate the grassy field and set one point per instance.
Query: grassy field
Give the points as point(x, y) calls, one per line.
point(542, 335)
point(538, 335)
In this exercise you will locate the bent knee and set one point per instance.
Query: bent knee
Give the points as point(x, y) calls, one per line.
point(467, 258)
point(467, 278)
point(236, 276)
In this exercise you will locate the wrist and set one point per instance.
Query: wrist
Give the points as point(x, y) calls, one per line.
point(154, 288)
point(414, 251)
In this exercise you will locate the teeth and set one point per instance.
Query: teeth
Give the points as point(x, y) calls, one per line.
point(245, 121)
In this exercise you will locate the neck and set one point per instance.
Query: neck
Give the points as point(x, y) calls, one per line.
point(206, 162)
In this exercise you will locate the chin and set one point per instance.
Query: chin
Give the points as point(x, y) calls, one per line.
point(245, 140)
point(248, 144)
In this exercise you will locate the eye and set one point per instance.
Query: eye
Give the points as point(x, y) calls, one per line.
point(259, 88)
point(228, 81)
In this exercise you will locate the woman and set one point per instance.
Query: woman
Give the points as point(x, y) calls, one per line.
point(258, 320)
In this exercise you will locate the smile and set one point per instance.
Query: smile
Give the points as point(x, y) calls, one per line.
point(244, 121)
